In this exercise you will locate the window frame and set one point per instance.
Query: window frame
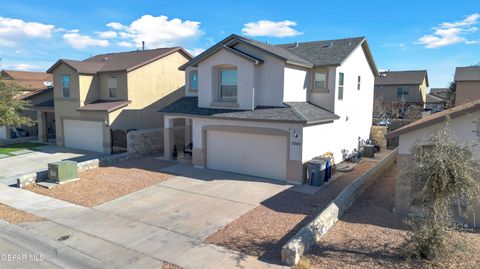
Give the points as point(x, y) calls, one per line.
point(403, 92)
point(341, 85)
point(190, 88)
point(109, 89)
point(219, 84)
point(359, 83)
point(65, 87)
point(314, 86)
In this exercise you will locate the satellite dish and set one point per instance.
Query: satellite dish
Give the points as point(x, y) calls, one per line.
point(48, 83)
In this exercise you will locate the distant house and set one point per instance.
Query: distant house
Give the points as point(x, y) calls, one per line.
point(463, 120)
point(264, 110)
point(435, 103)
point(440, 92)
point(402, 87)
point(39, 93)
point(114, 91)
point(468, 84)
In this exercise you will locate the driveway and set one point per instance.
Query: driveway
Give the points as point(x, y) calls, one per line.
point(38, 159)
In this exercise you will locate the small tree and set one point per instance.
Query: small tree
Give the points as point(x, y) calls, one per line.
point(446, 172)
point(11, 106)
point(452, 91)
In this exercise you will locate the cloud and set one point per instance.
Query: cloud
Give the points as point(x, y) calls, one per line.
point(125, 44)
point(23, 67)
point(13, 31)
point(107, 34)
point(401, 46)
point(195, 51)
point(270, 28)
point(449, 33)
point(79, 41)
point(158, 31)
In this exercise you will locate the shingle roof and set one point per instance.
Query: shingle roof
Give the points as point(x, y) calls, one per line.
point(32, 93)
point(299, 112)
point(442, 116)
point(102, 105)
point(410, 77)
point(433, 98)
point(27, 79)
point(121, 61)
point(46, 104)
point(468, 73)
point(325, 52)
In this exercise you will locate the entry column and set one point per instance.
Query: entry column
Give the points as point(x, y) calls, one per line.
point(168, 138)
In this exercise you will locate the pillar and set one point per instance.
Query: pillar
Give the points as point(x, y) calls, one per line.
point(42, 126)
point(168, 138)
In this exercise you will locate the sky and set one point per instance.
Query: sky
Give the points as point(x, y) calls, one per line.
point(402, 35)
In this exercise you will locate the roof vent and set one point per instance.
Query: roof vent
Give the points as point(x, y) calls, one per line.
point(296, 44)
point(349, 41)
point(105, 59)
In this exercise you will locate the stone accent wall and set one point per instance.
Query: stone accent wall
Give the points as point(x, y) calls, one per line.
point(378, 133)
point(313, 231)
point(145, 142)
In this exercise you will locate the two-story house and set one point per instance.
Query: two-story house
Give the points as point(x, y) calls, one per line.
point(114, 91)
point(402, 87)
point(467, 81)
point(264, 110)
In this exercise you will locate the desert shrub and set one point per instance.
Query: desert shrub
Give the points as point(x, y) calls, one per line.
point(445, 172)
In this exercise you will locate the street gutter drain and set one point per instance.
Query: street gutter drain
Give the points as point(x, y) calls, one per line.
point(63, 238)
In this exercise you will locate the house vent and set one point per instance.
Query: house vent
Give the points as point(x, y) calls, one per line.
point(330, 44)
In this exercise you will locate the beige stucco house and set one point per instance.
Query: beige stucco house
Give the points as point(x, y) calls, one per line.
point(463, 120)
point(402, 87)
point(468, 84)
point(114, 91)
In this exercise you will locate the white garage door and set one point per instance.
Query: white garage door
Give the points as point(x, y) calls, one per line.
point(86, 135)
point(250, 154)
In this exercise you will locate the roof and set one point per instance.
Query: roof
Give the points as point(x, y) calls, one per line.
point(33, 93)
point(297, 112)
point(409, 77)
point(468, 73)
point(433, 98)
point(305, 54)
point(103, 105)
point(442, 116)
point(29, 80)
point(46, 104)
point(121, 61)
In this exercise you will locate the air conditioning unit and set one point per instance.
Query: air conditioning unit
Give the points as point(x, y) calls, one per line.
point(62, 171)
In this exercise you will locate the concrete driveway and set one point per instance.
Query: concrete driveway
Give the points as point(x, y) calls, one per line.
point(196, 204)
point(38, 159)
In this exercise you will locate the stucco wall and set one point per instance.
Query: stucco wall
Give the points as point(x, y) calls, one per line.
point(467, 91)
point(324, 99)
point(295, 84)
point(122, 90)
point(388, 93)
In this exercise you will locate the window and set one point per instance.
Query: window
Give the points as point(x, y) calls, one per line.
point(66, 86)
point(112, 86)
point(402, 92)
point(320, 80)
point(358, 82)
point(341, 77)
point(193, 80)
point(228, 84)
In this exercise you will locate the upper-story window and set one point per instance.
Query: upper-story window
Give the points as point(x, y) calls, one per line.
point(193, 80)
point(402, 92)
point(320, 80)
point(112, 86)
point(341, 78)
point(228, 83)
point(65, 86)
point(359, 80)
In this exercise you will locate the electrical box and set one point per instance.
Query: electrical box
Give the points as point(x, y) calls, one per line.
point(62, 171)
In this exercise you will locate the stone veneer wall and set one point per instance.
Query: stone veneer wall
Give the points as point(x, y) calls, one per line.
point(378, 133)
point(150, 141)
point(313, 231)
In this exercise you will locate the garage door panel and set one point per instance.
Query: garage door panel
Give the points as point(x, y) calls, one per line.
point(85, 135)
point(245, 153)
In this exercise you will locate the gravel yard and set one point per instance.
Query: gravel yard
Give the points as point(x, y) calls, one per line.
point(265, 229)
point(16, 216)
point(370, 234)
point(99, 185)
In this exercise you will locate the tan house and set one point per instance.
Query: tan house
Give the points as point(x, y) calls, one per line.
point(31, 81)
point(115, 91)
point(462, 120)
point(407, 87)
point(468, 84)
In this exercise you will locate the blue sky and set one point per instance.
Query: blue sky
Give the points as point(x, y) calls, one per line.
point(432, 35)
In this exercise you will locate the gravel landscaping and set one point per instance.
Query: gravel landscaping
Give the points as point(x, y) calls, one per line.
point(265, 229)
point(16, 216)
point(103, 184)
point(370, 235)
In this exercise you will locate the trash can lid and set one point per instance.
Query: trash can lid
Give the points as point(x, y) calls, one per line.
point(316, 161)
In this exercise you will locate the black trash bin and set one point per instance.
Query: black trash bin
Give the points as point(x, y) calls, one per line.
point(316, 172)
point(369, 151)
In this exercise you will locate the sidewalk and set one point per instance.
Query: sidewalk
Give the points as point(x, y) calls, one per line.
point(119, 241)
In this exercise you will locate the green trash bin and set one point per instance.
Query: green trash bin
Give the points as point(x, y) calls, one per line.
point(62, 171)
point(316, 172)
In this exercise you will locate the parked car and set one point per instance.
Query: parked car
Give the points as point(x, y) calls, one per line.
point(19, 132)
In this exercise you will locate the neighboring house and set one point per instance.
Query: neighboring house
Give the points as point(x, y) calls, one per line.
point(38, 93)
point(114, 91)
point(440, 92)
point(463, 120)
point(435, 103)
point(402, 87)
point(264, 110)
point(468, 84)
